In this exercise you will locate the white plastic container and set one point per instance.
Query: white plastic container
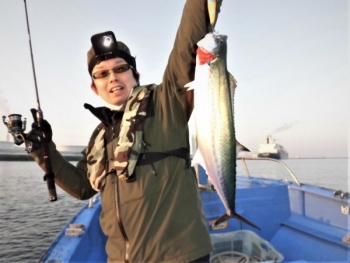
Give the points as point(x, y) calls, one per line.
point(246, 242)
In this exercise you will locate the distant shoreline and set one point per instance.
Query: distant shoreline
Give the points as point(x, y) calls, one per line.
point(10, 152)
point(318, 158)
point(296, 158)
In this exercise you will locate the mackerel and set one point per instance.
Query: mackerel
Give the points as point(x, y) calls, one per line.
point(214, 121)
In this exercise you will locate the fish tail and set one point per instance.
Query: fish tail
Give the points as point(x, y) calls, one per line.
point(244, 220)
point(226, 217)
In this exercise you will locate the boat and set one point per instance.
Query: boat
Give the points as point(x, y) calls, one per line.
point(299, 223)
point(270, 149)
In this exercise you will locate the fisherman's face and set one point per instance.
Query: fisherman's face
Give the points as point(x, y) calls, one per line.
point(115, 88)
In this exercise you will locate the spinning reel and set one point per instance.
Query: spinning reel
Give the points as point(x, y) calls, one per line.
point(16, 127)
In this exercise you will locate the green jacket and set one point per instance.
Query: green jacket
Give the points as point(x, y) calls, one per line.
point(156, 218)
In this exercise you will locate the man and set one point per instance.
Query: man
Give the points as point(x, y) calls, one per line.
point(138, 157)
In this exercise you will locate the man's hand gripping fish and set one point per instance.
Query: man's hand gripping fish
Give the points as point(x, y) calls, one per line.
point(215, 130)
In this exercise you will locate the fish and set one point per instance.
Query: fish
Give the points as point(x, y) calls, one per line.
point(217, 147)
point(209, 186)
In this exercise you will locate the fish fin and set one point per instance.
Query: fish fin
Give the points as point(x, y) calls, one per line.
point(198, 159)
point(226, 217)
point(241, 148)
point(190, 85)
point(233, 81)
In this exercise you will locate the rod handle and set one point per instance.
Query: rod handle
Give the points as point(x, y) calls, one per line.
point(49, 176)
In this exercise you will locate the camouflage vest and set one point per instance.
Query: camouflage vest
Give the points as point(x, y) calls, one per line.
point(128, 148)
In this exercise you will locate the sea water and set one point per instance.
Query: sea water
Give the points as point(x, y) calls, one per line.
point(29, 222)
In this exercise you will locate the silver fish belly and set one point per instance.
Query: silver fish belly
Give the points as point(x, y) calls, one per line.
point(215, 130)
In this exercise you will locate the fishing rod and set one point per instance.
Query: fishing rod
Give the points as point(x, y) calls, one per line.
point(49, 175)
point(212, 13)
point(16, 127)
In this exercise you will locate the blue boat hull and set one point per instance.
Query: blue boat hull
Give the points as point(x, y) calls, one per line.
point(304, 223)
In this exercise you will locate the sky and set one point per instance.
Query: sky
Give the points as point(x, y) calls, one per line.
point(290, 58)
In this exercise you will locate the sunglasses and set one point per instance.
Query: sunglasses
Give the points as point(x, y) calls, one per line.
point(105, 73)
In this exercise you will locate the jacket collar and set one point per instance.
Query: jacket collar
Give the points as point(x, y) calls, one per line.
point(104, 114)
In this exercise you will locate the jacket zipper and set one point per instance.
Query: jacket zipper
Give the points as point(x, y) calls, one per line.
point(120, 222)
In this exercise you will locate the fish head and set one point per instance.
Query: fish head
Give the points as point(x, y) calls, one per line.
point(210, 47)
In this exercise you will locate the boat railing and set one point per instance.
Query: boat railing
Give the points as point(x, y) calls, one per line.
point(268, 159)
point(92, 200)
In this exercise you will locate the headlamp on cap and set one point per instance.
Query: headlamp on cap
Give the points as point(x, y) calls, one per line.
point(107, 41)
point(105, 46)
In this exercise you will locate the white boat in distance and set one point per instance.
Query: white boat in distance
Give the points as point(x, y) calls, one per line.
point(270, 149)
